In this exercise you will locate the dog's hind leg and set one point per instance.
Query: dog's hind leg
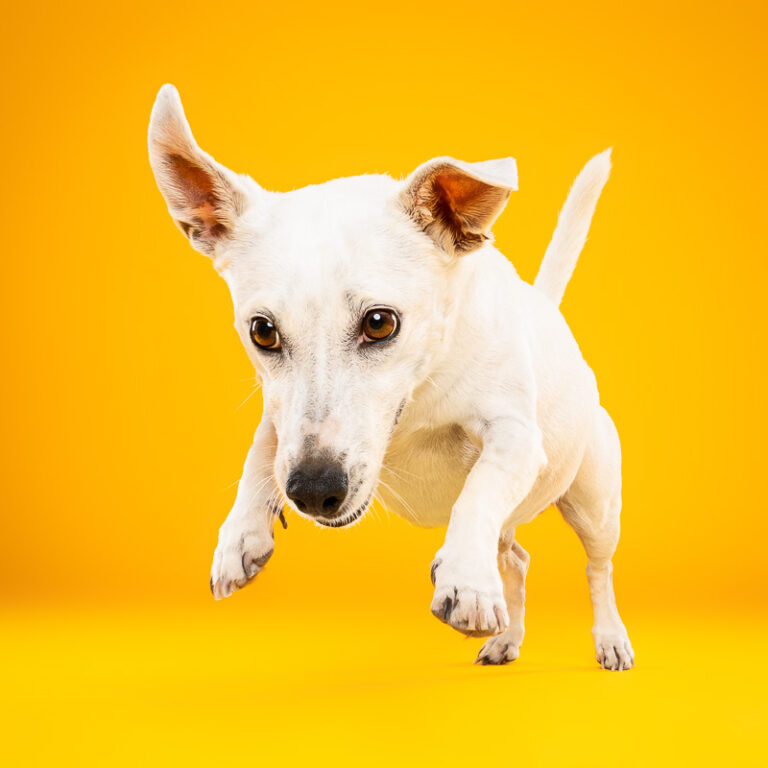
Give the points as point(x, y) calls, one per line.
point(592, 506)
point(513, 566)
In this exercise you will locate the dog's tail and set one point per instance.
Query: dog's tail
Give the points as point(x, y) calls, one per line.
point(572, 227)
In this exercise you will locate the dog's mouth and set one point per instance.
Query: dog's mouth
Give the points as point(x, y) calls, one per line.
point(344, 519)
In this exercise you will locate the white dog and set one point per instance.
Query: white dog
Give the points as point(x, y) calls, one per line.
point(401, 354)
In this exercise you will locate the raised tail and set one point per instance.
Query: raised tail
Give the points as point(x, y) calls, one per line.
point(572, 227)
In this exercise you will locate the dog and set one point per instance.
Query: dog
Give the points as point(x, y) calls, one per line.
point(401, 355)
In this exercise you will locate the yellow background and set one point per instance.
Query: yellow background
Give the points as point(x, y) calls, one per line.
point(123, 379)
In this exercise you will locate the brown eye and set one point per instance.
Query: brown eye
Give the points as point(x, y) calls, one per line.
point(264, 334)
point(379, 324)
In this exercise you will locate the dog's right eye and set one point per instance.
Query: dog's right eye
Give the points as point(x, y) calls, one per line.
point(379, 324)
point(264, 334)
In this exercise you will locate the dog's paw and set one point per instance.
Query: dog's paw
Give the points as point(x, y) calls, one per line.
point(239, 556)
point(614, 651)
point(500, 649)
point(473, 606)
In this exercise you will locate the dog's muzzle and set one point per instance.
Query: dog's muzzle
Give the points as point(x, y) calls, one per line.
point(317, 488)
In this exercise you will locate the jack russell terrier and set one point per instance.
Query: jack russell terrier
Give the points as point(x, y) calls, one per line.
point(402, 357)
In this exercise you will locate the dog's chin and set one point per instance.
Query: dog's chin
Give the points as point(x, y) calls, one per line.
point(344, 519)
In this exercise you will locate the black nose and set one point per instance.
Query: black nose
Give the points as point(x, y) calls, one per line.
point(317, 488)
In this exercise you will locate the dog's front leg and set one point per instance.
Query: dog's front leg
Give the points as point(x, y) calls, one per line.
point(246, 539)
point(469, 594)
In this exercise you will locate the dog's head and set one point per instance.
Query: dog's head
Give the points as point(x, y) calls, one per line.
point(342, 295)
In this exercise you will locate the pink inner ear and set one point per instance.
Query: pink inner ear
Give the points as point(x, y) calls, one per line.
point(452, 206)
point(194, 183)
point(197, 190)
point(460, 189)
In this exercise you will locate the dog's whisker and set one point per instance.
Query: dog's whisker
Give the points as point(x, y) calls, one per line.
point(399, 499)
point(263, 484)
point(399, 472)
point(381, 505)
point(255, 390)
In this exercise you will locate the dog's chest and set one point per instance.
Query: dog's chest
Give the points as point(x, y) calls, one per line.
point(424, 471)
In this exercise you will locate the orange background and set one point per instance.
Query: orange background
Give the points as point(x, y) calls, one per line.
point(124, 433)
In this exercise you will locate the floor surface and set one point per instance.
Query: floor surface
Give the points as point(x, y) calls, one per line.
point(158, 688)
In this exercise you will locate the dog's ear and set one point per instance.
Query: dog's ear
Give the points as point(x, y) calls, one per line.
point(203, 197)
point(455, 202)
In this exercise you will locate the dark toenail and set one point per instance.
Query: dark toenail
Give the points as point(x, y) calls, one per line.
point(432, 571)
point(447, 608)
point(262, 561)
point(211, 584)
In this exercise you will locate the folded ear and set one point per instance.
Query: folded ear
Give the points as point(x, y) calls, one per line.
point(204, 198)
point(456, 203)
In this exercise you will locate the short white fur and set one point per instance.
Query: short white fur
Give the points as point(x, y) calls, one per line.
point(479, 414)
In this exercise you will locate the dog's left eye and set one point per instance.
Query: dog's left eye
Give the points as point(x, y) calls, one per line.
point(379, 324)
point(264, 334)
